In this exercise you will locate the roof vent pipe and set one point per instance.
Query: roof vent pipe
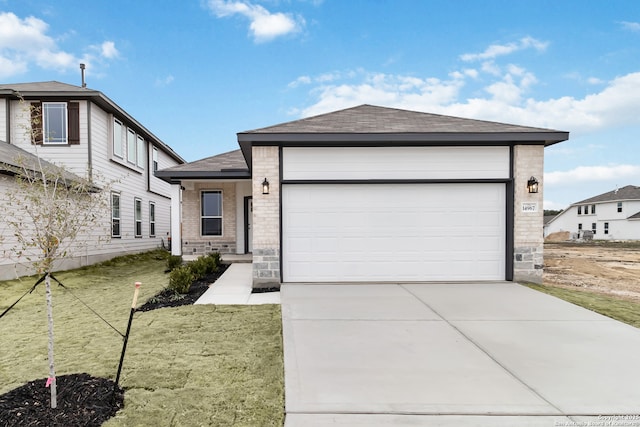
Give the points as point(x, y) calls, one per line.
point(84, 84)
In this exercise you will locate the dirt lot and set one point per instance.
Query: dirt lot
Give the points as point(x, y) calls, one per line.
point(607, 268)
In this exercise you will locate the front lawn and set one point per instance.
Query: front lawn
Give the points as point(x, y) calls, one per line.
point(617, 308)
point(190, 365)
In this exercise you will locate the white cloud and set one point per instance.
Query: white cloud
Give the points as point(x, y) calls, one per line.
point(496, 50)
point(24, 42)
point(594, 81)
point(164, 81)
point(623, 173)
point(631, 26)
point(385, 89)
point(108, 50)
point(264, 25)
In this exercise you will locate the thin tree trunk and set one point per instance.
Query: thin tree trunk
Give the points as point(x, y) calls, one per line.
point(52, 370)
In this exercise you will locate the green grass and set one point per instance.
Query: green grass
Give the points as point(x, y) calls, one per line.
point(191, 365)
point(617, 308)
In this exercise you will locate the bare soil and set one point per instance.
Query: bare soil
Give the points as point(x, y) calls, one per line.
point(606, 268)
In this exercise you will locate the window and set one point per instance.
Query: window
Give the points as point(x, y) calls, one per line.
point(152, 219)
point(579, 227)
point(131, 146)
point(115, 215)
point(606, 228)
point(138, 217)
point(593, 227)
point(211, 213)
point(619, 206)
point(117, 139)
point(155, 159)
point(579, 210)
point(593, 209)
point(54, 122)
point(140, 152)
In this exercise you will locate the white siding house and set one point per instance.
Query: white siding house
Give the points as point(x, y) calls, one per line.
point(87, 133)
point(614, 215)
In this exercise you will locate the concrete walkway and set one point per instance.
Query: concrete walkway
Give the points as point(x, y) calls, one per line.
point(234, 287)
point(484, 354)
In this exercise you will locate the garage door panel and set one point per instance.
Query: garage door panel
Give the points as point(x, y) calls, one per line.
point(393, 232)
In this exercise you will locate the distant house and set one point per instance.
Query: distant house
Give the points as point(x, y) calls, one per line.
point(83, 130)
point(370, 194)
point(614, 215)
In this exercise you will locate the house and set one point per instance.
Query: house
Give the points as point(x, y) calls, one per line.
point(370, 194)
point(614, 215)
point(86, 132)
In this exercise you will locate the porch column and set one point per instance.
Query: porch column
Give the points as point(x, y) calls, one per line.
point(176, 219)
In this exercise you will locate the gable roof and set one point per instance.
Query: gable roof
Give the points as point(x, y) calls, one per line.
point(230, 165)
point(54, 89)
point(367, 124)
point(629, 192)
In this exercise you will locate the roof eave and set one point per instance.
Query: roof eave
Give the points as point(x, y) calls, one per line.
point(546, 138)
point(177, 176)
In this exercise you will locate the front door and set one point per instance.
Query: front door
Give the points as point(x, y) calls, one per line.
point(248, 224)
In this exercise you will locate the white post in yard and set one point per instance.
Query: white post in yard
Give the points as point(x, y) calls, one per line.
point(176, 219)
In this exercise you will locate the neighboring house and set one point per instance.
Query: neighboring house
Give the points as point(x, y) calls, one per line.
point(370, 194)
point(614, 215)
point(86, 132)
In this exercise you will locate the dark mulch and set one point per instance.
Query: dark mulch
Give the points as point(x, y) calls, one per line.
point(83, 400)
point(169, 298)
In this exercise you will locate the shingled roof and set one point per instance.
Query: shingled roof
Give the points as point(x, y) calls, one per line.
point(629, 192)
point(13, 159)
point(367, 124)
point(230, 165)
point(367, 119)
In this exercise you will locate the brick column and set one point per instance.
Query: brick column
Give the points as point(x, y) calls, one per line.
point(528, 224)
point(266, 217)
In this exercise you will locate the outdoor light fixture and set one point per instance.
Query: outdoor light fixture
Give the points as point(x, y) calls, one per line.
point(265, 186)
point(532, 185)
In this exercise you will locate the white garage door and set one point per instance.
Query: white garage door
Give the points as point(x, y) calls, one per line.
point(393, 232)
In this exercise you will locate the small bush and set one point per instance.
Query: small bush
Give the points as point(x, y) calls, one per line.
point(173, 262)
point(216, 257)
point(198, 268)
point(180, 279)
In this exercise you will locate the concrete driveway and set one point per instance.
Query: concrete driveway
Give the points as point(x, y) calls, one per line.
point(452, 354)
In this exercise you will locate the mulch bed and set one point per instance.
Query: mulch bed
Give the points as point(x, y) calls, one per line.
point(168, 298)
point(83, 400)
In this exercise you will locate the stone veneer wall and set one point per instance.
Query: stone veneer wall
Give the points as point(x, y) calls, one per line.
point(266, 217)
point(528, 226)
point(192, 242)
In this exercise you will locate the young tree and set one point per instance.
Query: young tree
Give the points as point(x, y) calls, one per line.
point(51, 214)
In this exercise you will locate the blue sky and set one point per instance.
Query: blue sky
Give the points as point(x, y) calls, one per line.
point(196, 72)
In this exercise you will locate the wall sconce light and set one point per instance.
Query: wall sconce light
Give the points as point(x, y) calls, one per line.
point(532, 185)
point(265, 186)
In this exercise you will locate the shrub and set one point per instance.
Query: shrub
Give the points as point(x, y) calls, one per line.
point(180, 279)
point(173, 262)
point(198, 268)
point(217, 259)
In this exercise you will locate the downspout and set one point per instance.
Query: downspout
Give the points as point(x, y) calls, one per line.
point(89, 156)
point(149, 167)
point(8, 120)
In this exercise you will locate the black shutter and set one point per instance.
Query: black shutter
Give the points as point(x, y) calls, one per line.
point(73, 122)
point(36, 123)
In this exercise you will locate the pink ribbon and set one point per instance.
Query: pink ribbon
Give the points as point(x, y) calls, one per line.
point(50, 380)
